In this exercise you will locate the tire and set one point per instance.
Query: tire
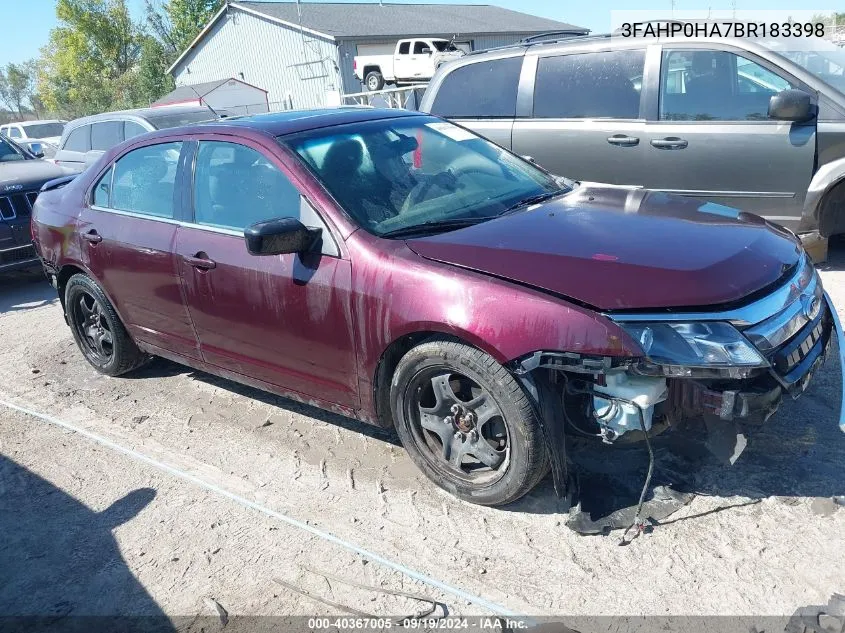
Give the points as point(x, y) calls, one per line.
point(514, 458)
point(374, 80)
point(104, 342)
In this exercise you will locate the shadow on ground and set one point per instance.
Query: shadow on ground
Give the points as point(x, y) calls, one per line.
point(60, 566)
point(25, 290)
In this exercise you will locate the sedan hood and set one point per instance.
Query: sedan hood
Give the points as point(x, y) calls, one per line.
point(619, 248)
point(26, 175)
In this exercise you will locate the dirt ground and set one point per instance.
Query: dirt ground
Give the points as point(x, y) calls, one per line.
point(88, 528)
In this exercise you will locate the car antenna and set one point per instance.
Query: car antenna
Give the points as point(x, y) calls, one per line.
point(205, 103)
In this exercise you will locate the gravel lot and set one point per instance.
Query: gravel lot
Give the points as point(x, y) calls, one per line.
point(88, 529)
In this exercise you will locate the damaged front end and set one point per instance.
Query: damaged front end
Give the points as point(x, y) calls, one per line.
point(728, 368)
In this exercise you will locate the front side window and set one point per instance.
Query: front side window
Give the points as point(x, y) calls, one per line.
point(106, 135)
point(421, 48)
point(10, 152)
point(102, 191)
point(603, 85)
point(144, 180)
point(79, 140)
point(702, 85)
point(397, 174)
point(481, 90)
point(132, 129)
point(236, 186)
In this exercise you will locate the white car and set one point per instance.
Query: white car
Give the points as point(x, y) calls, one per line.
point(413, 60)
point(46, 132)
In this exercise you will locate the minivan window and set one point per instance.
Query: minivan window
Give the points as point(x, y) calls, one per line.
point(132, 129)
point(235, 186)
point(144, 180)
point(701, 85)
point(589, 85)
point(484, 89)
point(106, 135)
point(79, 140)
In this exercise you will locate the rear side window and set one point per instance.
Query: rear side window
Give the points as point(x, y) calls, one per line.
point(235, 186)
point(106, 135)
point(79, 140)
point(14, 132)
point(404, 48)
point(133, 129)
point(144, 180)
point(480, 90)
point(604, 85)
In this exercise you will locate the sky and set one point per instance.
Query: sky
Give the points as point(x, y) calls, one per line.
point(39, 16)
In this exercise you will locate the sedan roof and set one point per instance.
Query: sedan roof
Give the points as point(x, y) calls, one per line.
point(292, 121)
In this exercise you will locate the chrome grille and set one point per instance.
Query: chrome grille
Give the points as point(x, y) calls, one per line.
point(17, 205)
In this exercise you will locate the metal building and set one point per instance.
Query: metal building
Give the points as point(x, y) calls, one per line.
point(301, 53)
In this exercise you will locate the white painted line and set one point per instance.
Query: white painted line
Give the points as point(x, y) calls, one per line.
point(446, 588)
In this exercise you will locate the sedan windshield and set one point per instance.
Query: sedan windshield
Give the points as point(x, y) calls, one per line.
point(397, 174)
point(10, 152)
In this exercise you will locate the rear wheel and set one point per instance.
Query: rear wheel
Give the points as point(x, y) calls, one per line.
point(467, 423)
point(374, 80)
point(97, 329)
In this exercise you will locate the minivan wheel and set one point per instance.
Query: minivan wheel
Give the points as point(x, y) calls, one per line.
point(374, 80)
point(466, 423)
point(97, 329)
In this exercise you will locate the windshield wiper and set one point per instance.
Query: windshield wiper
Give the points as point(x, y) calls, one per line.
point(536, 199)
point(434, 226)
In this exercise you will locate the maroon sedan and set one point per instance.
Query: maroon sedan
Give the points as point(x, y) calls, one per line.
point(401, 270)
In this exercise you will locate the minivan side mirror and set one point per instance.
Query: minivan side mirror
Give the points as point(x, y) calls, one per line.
point(280, 236)
point(791, 105)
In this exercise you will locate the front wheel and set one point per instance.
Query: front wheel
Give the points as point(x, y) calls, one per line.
point(97, 329)
point(467, 424)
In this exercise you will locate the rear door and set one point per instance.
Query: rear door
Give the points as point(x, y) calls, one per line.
point(481, 95)
point(285, 320)
point(128, 233)
point(585, 116)
point(709, 135)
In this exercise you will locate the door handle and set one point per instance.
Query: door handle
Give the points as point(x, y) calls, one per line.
point(670, 142)
point(623, 141)
point(200, 260)
point(93, 237)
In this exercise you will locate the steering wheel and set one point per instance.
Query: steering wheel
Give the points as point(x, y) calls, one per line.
point(445, 180)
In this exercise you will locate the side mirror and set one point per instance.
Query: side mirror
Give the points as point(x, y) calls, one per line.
point(280, 236)
point(791, 105)
point(36, 149)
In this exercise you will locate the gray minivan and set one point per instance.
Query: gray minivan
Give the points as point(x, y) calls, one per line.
point(85, 139)
point(750, 124)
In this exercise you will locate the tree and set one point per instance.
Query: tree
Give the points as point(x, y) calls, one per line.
point(91, 61)
point(175, 23)
point(17, 86)
point(153, 79)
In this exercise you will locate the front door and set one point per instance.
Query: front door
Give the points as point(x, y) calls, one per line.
point(712, 137)
point(128, 232)
point(282, 319)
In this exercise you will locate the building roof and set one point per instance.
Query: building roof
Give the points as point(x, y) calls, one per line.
point(371, 19)
point(195, 92)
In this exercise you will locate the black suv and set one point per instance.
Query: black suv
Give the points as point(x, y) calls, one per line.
point(21, 176)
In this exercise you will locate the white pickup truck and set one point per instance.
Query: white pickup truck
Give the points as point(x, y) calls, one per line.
point(412, 60)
